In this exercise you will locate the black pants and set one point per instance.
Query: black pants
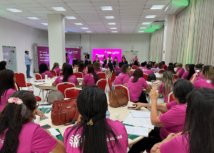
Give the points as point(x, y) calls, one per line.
point(142, 98)
point(147, 143)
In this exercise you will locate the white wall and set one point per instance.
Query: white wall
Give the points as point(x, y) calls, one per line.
point(22, 37)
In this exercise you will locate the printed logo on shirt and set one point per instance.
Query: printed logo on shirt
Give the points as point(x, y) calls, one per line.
point(1, 141)
point(208, 81)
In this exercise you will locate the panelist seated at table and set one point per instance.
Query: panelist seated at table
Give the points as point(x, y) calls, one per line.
point(43, 70)
point(18, 133)
point(108, 135)
point(136, 85)
point(56, 68)
point(91, 77)
point(198, 131)
point(171, 122)
point(67, 76)
point(124, 76)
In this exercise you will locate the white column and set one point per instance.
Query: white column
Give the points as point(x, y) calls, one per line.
point(168, 38)
point(56, 38)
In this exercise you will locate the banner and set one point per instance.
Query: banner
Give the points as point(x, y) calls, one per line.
point(43, 55)
point(73, 53)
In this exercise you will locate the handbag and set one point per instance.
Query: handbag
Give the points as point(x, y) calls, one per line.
point(64, 112)
point(117, 98)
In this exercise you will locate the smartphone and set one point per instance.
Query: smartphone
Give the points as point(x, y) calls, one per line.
point(132, 107)
point(46, 126)
point(197, 72)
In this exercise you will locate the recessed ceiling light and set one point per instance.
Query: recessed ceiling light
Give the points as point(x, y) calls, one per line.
point(150, 16)
point(70, 17)
point(45, 24)
point(109, 17)
point(78, 23)
point(154, 7)
point(142, 27)
point(140, 31)
point(114, 31)
point(84, 28)
point(14, 10)
point(106, 8)
point(144, 23)
point(112, 23)
point(59, 8)
point(88, 31)
point(33, 18)
point(113, 28)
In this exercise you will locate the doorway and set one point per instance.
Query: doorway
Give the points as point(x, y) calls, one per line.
point(9, 55)
point(130, 55)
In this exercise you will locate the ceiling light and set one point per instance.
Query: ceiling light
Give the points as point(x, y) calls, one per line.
point(45, 24)
point(70, 17)
point(155, 7)
point(88, 31)
point(112, 23)
point(78, 23)
point(59, 8)
point(144, 23)
point(33, 18)
point(84, 28)
point(106, 8)
point(150, 16)
point(142, 27)
point(14, 10)
point(113, 28)
point(114, 31)
point(109, 17)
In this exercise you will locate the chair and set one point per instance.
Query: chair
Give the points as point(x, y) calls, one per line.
point(146, 76)
point(38, 76)
point(71, 92)
point(102, 84)
point(134, 67)
point(20, 80)
point(113, 76)
point(161, 71)
point(78, 74)
point(62, 86)
point(61, 73)
point(170, 97)
point(124, 88)
point(109, 83)
point(175, 76)
point(53, 72)
point(101, 75)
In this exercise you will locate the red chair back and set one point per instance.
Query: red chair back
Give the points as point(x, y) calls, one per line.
point(161, 71)
point(78, 74)
point(20, 79)
point(38, 76)
point(72, 92)
point(175, 77)
point(170, 97)
point(16, 87)
point(126, 90)
point(60, 74)
point(53, 72)
point(101, 75)
point(113, 76)
point(145, 76)
point(134, 67)
point(102, 84)
point(63, 86)
point(109, 83)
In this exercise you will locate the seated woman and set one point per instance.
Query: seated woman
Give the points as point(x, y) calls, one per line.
point(208, 78)
point(148, 70)
point(18, 133)
point(43, 70)
point(81, 68)
point(91, 77)
point(97, 67)
point(64, 64)
point(167, 85)
point(198, 131)
point(56, 68)
point(180, 70)
point(124, 76)
point(108, 136)
point(109, 70)
point(136, 85)
point(116, 60)
point(186, 73)
point(3, 65)
point(96, 59)
point(75, 62)
point(67, 76)
point(135, 63)
point(117, 68)
point(171, 69)
point(160, 67)
point(191, 71)
point(170, 122)
point(198, 69)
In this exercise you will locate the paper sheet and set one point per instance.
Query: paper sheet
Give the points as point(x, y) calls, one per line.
point(38, 83)
point(54, 132)
point(142, 122)
point(140, 114)
point(139, 131)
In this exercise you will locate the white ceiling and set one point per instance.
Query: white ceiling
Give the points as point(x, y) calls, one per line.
point(129, 14)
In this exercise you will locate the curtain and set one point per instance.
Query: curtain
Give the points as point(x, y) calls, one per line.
point(156, 45)
point(193, 37)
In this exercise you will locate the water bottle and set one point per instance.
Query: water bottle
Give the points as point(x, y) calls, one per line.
point(46, 77)
point(107, 114)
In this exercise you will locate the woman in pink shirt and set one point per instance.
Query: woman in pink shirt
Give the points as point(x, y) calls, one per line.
point(67, 58)
point(91, 77)
point(43, 70)
point(67, 76)
point(186, 73)
point(135, 59)
point(108, 136)
point(97, 68)
point(124, 76)
point(198, 131)
point(136, 85)
point(56, 68)
point(148, 70)
point(180, 71)
point(171, 122)
point(18, 133)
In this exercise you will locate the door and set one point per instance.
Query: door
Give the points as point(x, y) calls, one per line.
point(130, 55)
point(9, 55)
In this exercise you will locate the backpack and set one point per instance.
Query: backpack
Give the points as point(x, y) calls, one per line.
point(151, 77)
point(54, 95)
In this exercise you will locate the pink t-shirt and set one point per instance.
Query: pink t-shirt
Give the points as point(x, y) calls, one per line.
point(71, 145)
point(33, 138)
point(201, 76)
point(89, 79)
point(5, 97)
point(147, 71)
point(185, 75)
point(180, 72)
point(58, 70)
point(67, 59)
point(165, 95)
point(179, 144)
point(71, 79)
point(135, 59)
point(96, 71)
point(135, 89)
point(118, 69)
point(121, 79)
point(50, 75)
point(173, 120)
point(203, 83)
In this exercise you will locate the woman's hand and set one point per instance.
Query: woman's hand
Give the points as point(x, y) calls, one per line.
point(138, 105)
point(41, 114)
point(156, 146)
point(153, 95)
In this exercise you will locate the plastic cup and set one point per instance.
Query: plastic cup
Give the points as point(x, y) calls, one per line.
point(116, 116)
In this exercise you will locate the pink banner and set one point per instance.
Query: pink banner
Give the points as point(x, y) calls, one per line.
point(43, 55)
point(73, 53)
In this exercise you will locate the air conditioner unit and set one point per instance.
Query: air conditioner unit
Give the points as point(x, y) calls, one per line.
point(157, 24)
point(175, 6)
